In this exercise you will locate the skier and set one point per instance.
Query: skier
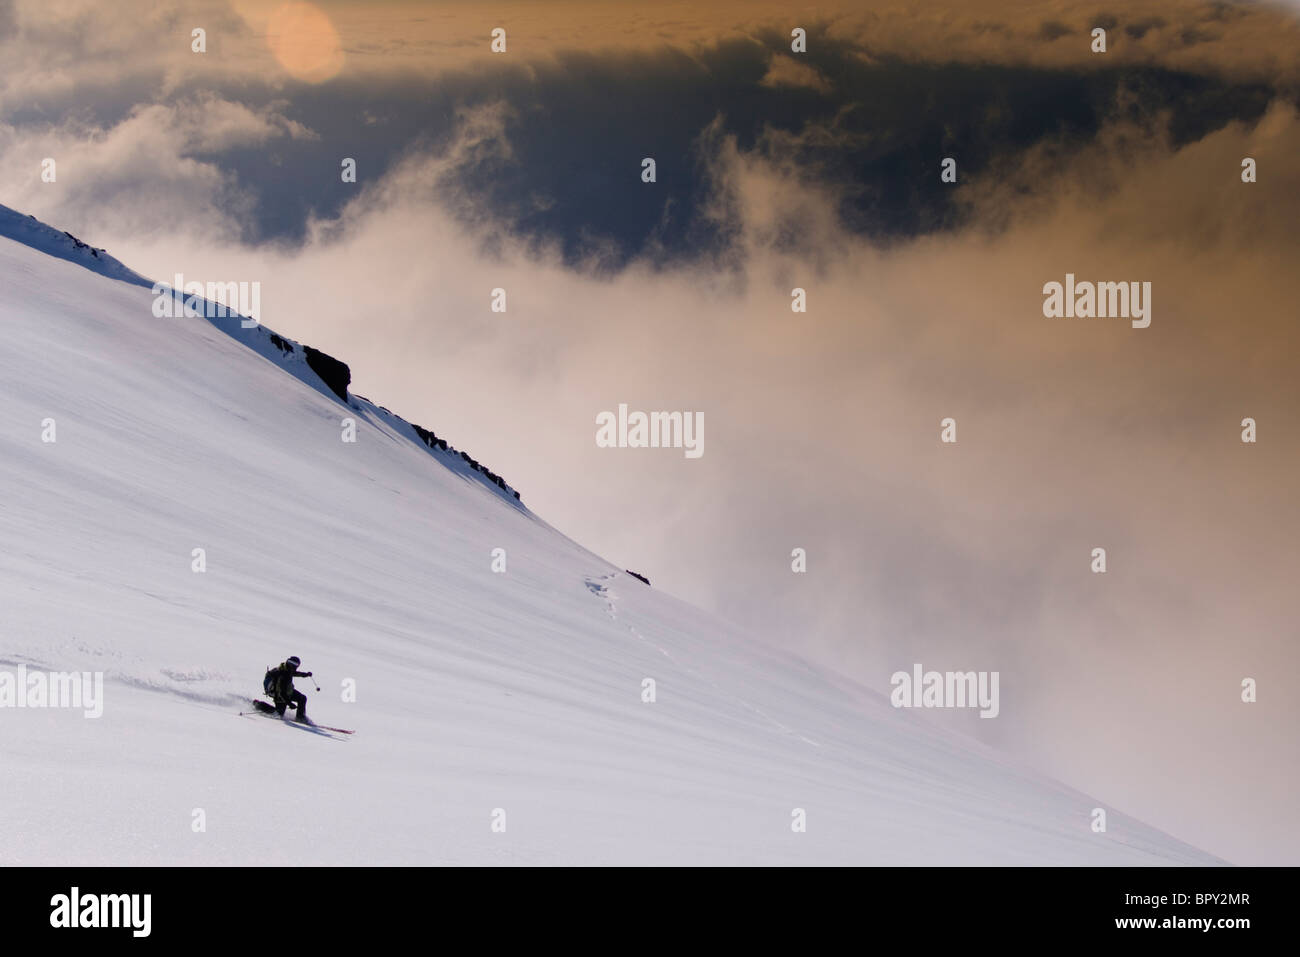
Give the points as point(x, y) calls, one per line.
point(278, 684)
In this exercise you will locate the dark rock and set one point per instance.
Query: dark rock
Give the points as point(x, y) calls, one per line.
point(628, 570)
point(427, 437)
point(432, 441)
point(333, 373)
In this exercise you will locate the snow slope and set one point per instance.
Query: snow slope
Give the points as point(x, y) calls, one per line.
point(475, 691)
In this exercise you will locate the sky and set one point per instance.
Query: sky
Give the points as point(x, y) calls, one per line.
point(778, 169)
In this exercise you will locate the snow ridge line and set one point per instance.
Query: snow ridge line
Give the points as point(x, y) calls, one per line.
point(313, 367)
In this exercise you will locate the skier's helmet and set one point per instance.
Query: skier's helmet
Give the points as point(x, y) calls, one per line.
point(293, 661)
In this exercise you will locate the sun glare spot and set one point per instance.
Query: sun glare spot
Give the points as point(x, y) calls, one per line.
point(305, 42)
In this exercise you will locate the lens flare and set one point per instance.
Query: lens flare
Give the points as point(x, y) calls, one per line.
point(305, 42)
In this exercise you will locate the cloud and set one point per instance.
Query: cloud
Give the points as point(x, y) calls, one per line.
point(62, 54)
point(1052, 29)
point(584, 113)
point(786, 71)
point(135, 177)
point(59, 47)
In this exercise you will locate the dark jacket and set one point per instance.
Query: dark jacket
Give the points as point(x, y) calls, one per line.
point(279, 681)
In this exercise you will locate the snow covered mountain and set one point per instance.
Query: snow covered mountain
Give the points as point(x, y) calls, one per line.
point(481, 696)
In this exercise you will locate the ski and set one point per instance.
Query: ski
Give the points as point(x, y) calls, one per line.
point(262, 708)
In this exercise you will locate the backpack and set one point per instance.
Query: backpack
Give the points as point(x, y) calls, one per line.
point(268, 683)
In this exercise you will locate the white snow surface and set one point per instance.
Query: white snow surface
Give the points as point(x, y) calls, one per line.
point(476, 692)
